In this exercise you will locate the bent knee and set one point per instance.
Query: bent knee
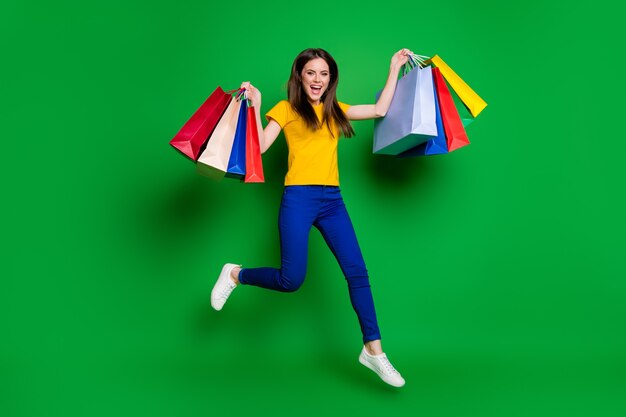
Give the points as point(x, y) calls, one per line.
point(291, 284)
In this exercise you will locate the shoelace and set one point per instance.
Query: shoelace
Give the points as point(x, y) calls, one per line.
point(388, 366)
point(226, 290)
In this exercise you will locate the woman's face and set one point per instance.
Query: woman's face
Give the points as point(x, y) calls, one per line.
point(315, 78)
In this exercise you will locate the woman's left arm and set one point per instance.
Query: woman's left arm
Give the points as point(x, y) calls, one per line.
point(373, 111)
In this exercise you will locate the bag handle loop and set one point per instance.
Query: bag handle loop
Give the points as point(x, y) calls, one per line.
point(415, 60)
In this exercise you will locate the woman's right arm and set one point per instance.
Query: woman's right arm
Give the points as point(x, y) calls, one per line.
point(268, 135)
point(372, 111)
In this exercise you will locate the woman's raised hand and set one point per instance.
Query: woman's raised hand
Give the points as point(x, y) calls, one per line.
point(400, 58)
point(254, 95)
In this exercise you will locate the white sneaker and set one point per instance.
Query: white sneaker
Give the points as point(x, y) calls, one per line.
point(381, 365)
point(223, 287)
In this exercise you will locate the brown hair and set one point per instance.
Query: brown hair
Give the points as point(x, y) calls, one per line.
point(298, 98)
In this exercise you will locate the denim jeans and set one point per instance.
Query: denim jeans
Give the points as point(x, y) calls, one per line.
point(303, 206)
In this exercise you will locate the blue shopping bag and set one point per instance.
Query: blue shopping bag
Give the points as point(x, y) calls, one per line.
point(237, 161)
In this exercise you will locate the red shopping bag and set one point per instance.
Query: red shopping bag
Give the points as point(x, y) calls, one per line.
point(254, 163)
point(192, 137)
point(452, 123)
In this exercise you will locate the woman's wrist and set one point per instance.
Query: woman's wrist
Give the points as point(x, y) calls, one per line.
point(394, 69)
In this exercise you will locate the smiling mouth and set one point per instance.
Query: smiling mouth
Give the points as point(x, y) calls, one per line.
point(316, 89)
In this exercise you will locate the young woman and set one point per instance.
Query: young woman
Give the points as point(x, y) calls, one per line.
point(313, 120)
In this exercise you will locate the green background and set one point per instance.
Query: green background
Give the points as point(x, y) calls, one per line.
point(497, 270)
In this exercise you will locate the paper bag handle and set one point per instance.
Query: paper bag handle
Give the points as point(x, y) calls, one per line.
point(415, 60)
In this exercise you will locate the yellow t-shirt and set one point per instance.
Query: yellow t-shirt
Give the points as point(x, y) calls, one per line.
point(312, 154)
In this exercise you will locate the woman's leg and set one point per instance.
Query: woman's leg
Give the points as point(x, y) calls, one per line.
point(298, 209)
point(336, 227)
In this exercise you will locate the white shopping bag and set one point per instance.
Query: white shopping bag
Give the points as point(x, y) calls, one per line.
point(214, 159)
point(411, 118)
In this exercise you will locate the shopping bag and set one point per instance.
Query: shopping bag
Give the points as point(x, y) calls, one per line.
point(464, 113)
point(213, 161)
point(452, 124)
point(254, 163)
point(474, 103)
point(192, 137)
point(411, 118)
point(434, 146)
point(237, 161)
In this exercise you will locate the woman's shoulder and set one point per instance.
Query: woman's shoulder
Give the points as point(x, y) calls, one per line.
point(282, 112)
point(343, 106)
point(282, 105)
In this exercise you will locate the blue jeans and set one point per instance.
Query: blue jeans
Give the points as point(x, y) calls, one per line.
point(303, 206)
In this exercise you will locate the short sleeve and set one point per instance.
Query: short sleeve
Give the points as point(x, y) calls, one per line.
point(344, 106)
point(280, 112)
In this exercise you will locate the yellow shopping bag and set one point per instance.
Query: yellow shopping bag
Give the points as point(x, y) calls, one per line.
point(474, 103)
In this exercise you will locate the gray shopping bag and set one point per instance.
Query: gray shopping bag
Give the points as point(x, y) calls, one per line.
point(411, 118)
